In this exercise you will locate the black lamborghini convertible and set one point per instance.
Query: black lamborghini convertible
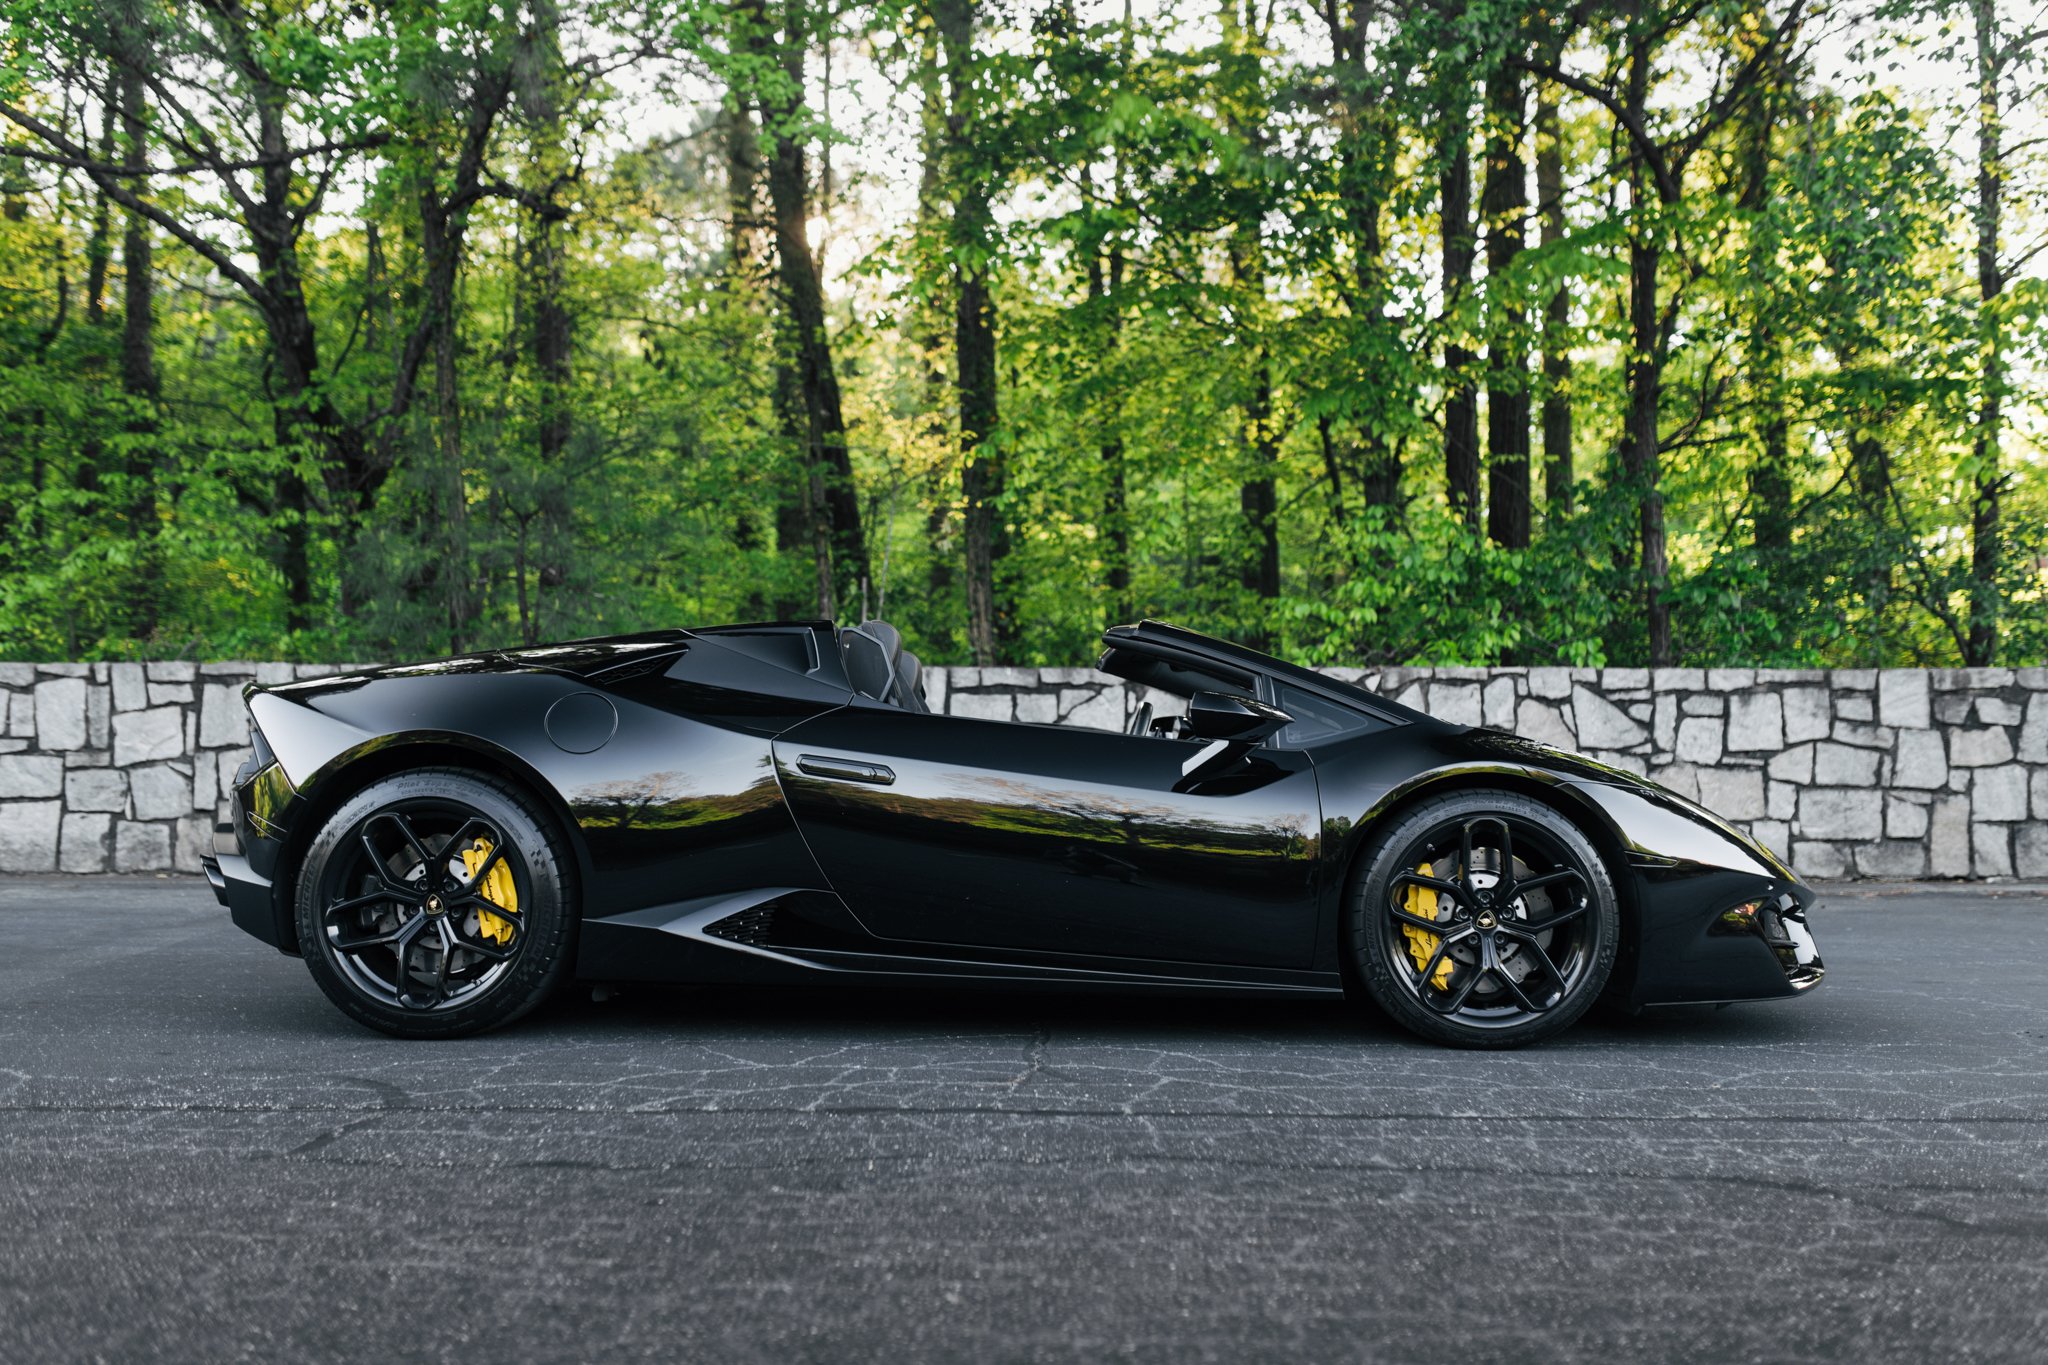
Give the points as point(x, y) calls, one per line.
point(446, 843)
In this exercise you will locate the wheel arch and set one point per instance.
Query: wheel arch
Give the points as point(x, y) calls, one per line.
point(342, 777)
point(1566, 800)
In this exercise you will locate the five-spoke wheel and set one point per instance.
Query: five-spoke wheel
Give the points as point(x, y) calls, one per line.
point(1483, 918)
point(434, 904)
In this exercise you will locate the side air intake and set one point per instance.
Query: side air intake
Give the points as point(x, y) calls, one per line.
point(754, 926)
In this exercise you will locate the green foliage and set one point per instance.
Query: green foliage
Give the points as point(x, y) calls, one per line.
point(1214, 262)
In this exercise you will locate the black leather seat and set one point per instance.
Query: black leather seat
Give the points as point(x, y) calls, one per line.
point(879, 666)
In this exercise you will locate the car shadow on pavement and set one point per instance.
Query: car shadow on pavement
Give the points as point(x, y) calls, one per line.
point(932, 1014)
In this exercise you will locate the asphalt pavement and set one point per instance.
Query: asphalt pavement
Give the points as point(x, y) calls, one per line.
point(200, 1159)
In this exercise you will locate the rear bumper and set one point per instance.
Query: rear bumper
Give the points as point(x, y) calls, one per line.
point(249, 897)
point(246, 853)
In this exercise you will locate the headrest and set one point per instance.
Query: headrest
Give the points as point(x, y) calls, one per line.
point(891, 638)
point(872, 650)
point(910, 684)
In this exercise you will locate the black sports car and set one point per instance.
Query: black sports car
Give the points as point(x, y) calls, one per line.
point(446, 843)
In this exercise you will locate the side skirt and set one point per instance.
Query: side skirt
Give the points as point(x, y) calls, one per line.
point(765, 936)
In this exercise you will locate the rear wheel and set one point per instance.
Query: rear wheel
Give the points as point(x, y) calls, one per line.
point(1483, 919)
point(436, 904)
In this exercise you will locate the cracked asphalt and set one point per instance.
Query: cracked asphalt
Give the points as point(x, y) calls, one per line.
point(201, 1160)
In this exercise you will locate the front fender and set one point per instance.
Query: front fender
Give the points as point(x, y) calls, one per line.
point(1677, 867)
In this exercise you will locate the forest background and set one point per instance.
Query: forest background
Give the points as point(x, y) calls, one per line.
point(1445, 331)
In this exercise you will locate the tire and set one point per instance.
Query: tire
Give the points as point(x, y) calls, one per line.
point(1513, 965)
point(406, 935)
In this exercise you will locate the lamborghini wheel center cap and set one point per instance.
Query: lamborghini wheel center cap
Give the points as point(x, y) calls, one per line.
point(434, 905)
point(1486, 919)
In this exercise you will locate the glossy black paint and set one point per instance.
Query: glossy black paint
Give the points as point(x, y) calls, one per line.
point(1071, 841)
point(739, 812)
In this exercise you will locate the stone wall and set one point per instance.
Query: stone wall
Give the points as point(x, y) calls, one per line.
point(1903, 773)
point(1897, 773)
point(121, 767)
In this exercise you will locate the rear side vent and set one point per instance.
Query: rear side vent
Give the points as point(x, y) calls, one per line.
point(754, 926)
point(638, 668)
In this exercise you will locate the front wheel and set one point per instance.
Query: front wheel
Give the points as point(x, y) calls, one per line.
point(1483, 919)
point(435, 904)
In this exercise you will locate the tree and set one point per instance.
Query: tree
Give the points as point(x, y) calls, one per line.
point(544, 89)
point(1655, 175)
point(1454, 172)
point(990, 626)
point(1244, 49)
point(1557, 311)
point(1502, 205)
point(378, 332)
point(138, 338)
point(2001, 58)
point(1771, 478)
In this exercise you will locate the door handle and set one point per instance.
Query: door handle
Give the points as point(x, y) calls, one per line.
point(844, 769)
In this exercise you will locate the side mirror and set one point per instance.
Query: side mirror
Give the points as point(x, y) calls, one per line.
point(1240, 720)
point(1232, 727)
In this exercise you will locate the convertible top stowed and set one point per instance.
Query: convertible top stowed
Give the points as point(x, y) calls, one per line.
point(776, 802)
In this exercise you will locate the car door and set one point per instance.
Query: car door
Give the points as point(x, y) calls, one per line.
point(990, 834)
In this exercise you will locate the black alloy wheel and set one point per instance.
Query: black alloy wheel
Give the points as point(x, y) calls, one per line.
point(1483, 919)
point(436, 904)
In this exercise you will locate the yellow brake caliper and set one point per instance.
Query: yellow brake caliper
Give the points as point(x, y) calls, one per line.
point(498, 890)
point(1422, 902)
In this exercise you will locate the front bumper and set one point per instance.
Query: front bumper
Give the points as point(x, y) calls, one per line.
point(1780, 922)
point(1711, 936)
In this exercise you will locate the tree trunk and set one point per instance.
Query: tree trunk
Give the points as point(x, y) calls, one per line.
point(1988, 483)
point(1770, 479)
point(1770, 483)
point(552, 330)
point(553, 338)
point(1363, 174)
point(1377, 462)
point(1104, 291)
point(742, 188)
point(99, 246)
point(1257, 494)
point(1258, 499)
point(990, 625)
point(795, 519)
point(1639, 444)
point(138, 365)
point(441, 246)
point(742, 271)
point(1503, 205)
point(99, 250)
point(982, 480)
point(1461, 410)
point(837, 540)
point(306, 420)
point(1116, 495)
point(1645, 380)
point(1557, 354)
point(453, 569)
point(932, 331)
point(377, 328)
